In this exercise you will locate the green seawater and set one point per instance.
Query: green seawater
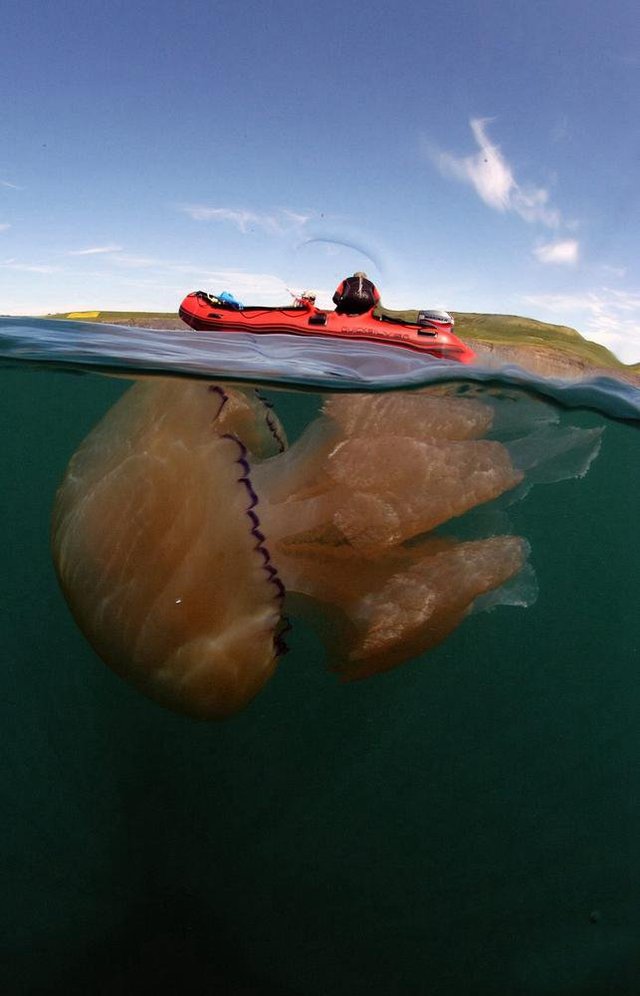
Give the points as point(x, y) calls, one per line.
point(468, 823)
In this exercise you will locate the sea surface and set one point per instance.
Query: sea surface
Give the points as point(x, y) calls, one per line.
point(467, 822)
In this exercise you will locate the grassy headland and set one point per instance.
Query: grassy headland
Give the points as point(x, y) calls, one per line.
point(513, 330)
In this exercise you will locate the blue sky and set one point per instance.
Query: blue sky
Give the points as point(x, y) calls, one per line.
point(478, 157)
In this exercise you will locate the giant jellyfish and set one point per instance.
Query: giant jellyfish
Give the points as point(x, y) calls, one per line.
point(185, 532)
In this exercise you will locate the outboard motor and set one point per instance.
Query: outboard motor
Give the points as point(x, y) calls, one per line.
point(435, 319)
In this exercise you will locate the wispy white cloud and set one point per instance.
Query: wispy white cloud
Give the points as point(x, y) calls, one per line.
point(296, 218)
point(491, 176)
point(177, 276)
point(94, 250)
point(13, 264)
point(277, 223)
point(11, 186)
point(4, 226)
point(135, 262)
point(614, 271)
point(262, 288)
point(608, 316)
point(565, 252)
point(257, 286)
point(140, 290)
point(627, 300)
point(162, 269)
point(248, 286)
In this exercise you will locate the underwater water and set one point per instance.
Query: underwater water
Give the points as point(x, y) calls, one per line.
point(465, 822)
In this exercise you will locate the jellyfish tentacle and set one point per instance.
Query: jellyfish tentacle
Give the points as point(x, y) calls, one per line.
point(416, 415)
point(378, 492)
point(418, 608)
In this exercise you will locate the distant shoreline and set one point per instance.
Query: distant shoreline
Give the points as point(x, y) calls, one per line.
point(539, 347)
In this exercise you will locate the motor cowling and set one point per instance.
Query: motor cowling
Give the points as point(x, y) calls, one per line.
point(435, 318)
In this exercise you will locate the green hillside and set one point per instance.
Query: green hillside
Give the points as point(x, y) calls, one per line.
point(513, 330)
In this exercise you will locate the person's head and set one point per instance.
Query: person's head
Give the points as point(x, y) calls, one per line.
point(361, 274)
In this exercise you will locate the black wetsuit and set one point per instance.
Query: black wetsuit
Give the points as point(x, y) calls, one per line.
point(355, 295)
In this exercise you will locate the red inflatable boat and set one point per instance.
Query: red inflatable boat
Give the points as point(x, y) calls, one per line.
point(432, 334)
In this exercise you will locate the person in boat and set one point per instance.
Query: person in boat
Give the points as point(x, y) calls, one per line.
point(355, 295)
point(306, 299)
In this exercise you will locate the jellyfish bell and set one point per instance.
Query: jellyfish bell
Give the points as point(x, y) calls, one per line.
point(158, 552)
point(182, 520)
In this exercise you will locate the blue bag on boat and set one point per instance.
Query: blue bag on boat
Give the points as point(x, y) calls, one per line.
point(229, 299)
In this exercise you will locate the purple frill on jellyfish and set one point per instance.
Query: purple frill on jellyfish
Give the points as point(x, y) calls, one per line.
point(184, 529)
